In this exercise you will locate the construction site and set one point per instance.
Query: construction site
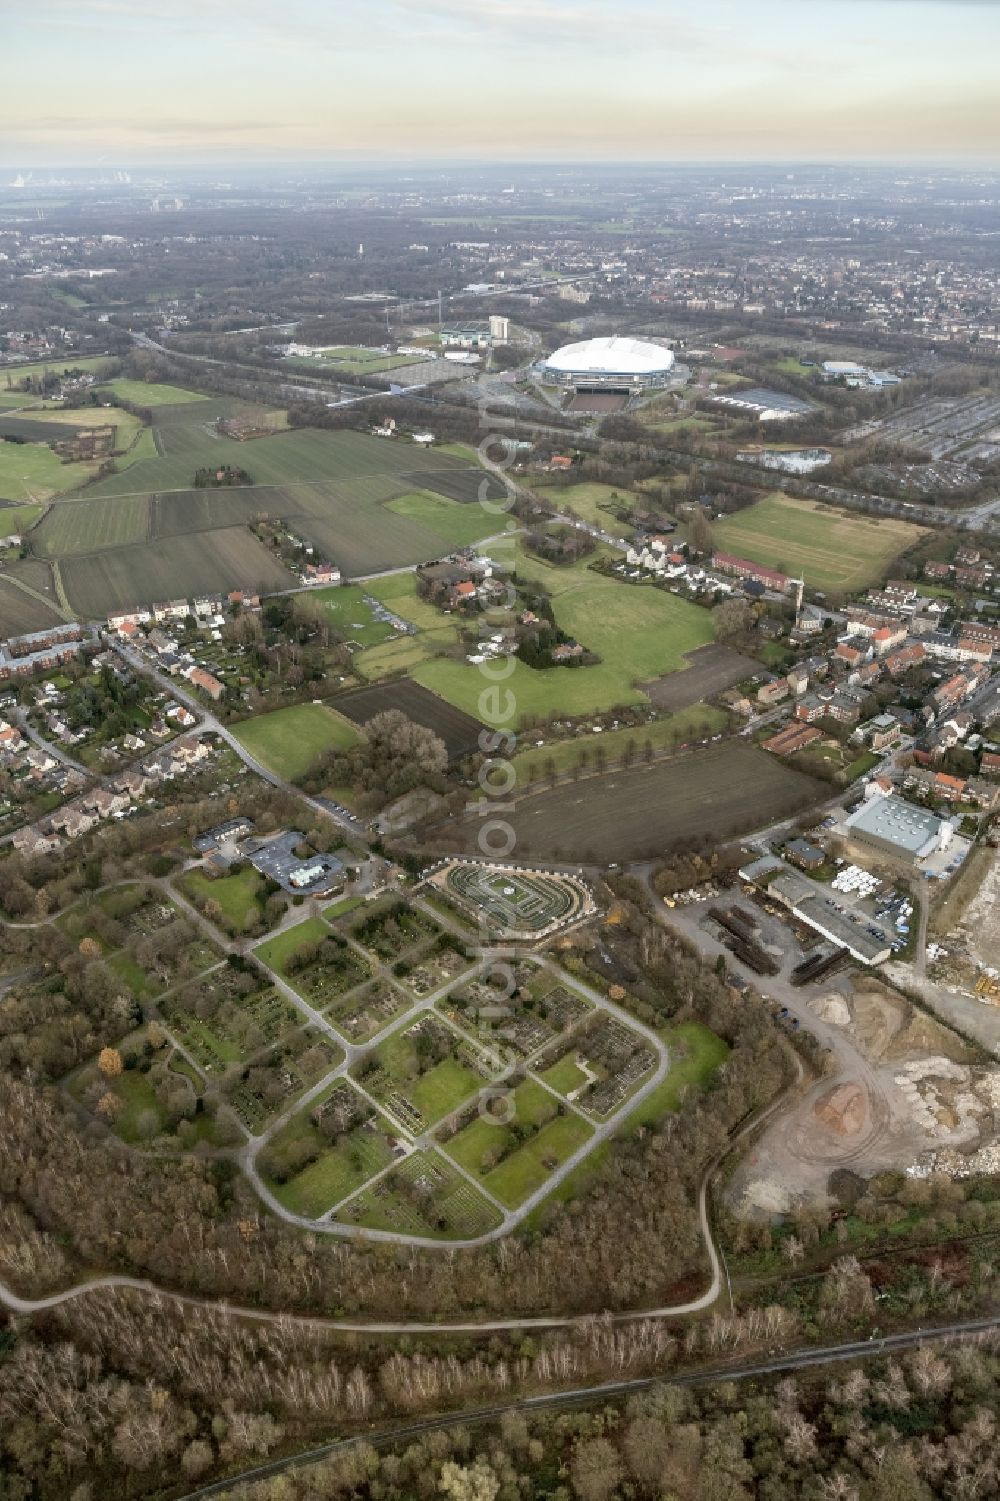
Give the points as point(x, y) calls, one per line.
point(904, 1092)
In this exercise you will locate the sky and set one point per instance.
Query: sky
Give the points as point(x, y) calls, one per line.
point(126, 82)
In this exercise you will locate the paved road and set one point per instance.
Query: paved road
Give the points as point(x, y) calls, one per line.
point(20, 718)
point(213, 725)
point(600, 1133)
point(16, 1304)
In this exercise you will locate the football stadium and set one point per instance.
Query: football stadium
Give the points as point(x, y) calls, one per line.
point(616, 365)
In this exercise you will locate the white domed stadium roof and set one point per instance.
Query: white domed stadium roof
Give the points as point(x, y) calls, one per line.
point(612, 356)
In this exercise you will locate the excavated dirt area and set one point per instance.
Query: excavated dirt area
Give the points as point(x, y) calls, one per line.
point(979, 929)
point(915, 1100)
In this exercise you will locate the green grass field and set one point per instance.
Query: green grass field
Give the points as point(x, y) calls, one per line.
point(278, 950)
point(529, 1167)
point(351, 614)
point(237, 895)
point(457, 524)
point(32, 472)
point(831, 550)
point(696, 1055)
point(398, 593)
point(424, 1195)
point(16, 519)
point(338, 1170)
point(396, 656)
point(343, 360)
point(524, 1168)
point(143, 393)
point(565, 1075)
point(288, 741)
point(587, 499)
point(437, 1091)
point(639, 632)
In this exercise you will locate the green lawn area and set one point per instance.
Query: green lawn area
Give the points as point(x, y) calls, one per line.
point(395, 656)
point(458, 524)
point(424, 1195)
point(696, 1052)
point(31, 471)
point(398, 593)
point(351, 614)
point(288, 741)
point(137, 1096)
point(277, 951)
point(442, 1088)
point(830, 549)
point(338, 1170)
point(478, 1143)
point(566, 1075)
point(135, 977)
point(341, 908)
point(681, 424)
point(524, 1168)
point(586, 500)
point(153, 394)
point(437, 1091)
point(639, 632)
point(527, 1169)
point(695, 723)
point(236, 895)
point(17, 519)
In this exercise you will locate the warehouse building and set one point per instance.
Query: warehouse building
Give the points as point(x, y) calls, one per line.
point(899, 829)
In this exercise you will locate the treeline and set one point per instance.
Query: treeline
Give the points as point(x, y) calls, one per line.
point(124, 1394)
point(915, 1428)
point(395, 757)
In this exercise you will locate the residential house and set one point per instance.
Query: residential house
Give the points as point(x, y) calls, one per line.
point(851, 656)
point(773, 693)
point(206, 682)
point(898, 663)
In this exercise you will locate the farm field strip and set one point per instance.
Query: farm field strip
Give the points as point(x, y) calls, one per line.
point(718, 791)
point(230, 558)
point(80, 526)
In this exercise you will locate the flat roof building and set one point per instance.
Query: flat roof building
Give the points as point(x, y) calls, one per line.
point(899, 829)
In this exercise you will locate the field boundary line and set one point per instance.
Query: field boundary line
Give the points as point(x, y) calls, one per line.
point(58, 604)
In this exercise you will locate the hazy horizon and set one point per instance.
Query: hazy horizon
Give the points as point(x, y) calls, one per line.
point(482, 81)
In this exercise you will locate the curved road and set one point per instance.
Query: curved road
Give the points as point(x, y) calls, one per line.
point(16, 1304)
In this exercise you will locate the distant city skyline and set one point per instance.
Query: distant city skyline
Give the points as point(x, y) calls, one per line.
point(127, 83)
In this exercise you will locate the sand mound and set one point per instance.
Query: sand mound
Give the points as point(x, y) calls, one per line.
point(833, 1009)
point(842, 1109)
point(877, 1019)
